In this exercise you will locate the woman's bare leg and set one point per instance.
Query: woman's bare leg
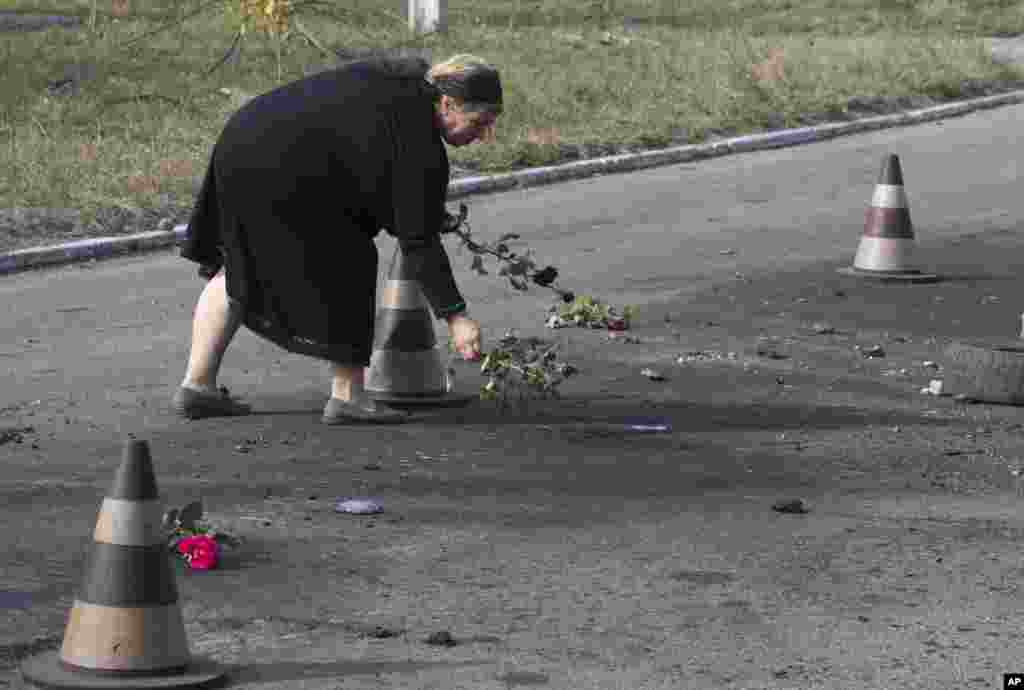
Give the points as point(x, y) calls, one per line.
point(214, 325)
point(347, 382)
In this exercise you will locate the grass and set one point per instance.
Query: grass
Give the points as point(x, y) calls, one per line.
point(140, 132)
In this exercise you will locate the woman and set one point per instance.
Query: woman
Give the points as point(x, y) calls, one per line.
point(300, 182)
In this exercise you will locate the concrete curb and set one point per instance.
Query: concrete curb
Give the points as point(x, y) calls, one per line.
point(105, 247)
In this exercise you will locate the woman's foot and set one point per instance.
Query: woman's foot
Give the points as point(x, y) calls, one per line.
point(199, 403)
point(361, 409)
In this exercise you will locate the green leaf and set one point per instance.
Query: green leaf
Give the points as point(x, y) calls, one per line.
point(508, 236)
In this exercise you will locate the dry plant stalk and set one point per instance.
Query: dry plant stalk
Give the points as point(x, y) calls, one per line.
point(143, 184)
point(543, 137)
point(772, 69)
point(120, 8)
point(88, 153)
point(177, 168)
point(269, 16)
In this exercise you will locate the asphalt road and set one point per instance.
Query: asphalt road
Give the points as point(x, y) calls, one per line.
point(560, 557)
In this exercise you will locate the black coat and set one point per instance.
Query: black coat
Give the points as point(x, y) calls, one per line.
point(300, 182)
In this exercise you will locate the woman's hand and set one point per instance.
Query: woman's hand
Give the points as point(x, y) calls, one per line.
point(465, 334)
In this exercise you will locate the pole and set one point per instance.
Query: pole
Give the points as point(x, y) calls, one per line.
point(428, 16)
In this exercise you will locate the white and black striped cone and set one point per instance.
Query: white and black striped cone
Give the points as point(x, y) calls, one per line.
point(887, 245)
point(125, 629)
point(406, 368)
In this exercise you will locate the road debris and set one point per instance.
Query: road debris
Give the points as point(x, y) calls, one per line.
point(795, 506)
point(14, 434)
point(647, 424)
point(934, 388)
point(652, 374)
point(441, 639)
point(377, 632)
point(770, 353)
point(869, 352)
point(359, 506)
point(823, 329)
point(704, 356)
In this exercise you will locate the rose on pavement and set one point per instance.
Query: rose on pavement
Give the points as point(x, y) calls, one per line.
point(201, 551)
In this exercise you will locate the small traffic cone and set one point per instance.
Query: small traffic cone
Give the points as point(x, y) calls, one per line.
point(406, 367)
point(125, 629)
point(888, 241)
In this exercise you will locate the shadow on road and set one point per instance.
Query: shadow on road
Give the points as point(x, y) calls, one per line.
point(608, 415)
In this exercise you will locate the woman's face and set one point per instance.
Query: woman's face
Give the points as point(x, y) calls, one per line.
point(460, 128)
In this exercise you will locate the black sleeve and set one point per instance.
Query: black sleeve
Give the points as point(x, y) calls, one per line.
point(419, 188)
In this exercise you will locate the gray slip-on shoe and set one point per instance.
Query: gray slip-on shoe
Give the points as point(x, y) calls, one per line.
point(361, 410)
point(193, 404)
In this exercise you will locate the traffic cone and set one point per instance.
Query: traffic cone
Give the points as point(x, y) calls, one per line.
point(406, 367)
point(125, 629)
point(887, 244)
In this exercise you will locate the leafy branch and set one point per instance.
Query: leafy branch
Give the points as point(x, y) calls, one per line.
point(519, 269)
point(517, 365)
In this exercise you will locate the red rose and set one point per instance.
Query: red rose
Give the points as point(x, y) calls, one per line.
point(617, 324)
point(201, 551)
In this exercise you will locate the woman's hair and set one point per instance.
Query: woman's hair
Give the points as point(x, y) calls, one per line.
point(458, 71)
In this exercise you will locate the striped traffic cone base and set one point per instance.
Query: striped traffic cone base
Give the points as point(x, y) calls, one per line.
point(47, 671)
point(887, 245)
point(911, 276)
point(125, 629)
point(406, 368)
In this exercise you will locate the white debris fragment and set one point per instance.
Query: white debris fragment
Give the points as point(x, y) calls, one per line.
point(652, 375)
